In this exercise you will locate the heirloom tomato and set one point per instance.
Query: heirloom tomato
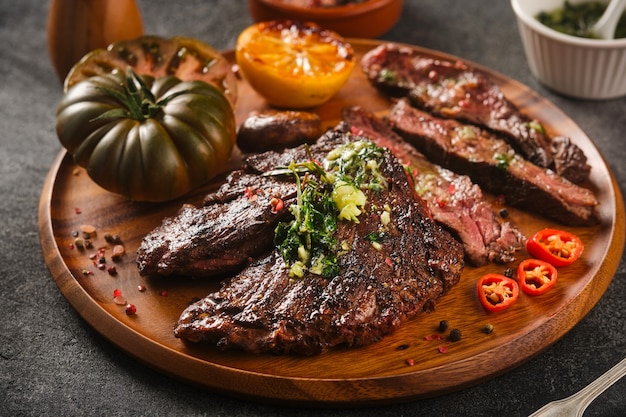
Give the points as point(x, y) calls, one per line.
point(186, 58)
point(146, 138)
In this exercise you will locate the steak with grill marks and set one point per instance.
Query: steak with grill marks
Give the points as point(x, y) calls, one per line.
point(494, 165)
point(264, 309)
point(453, 89)
point(233, 225)
point(454, 200)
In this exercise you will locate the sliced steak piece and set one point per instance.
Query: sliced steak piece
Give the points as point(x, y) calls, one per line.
point(452, 89)
point(235, 224)
point(494, 165)
point(263, 309)
point(569, 160)
point(454, 201)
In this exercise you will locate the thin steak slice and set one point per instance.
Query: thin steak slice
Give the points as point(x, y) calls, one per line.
point(453, 89)
point(454, 201)
point(494, 165)
point(263, 309)
point(236, 223)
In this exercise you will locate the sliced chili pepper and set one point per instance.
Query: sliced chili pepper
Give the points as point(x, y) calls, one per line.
point(536, 276)
point(558, 247)
point(497, 292)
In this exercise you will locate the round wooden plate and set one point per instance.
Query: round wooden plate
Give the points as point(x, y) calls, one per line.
point(403, 366)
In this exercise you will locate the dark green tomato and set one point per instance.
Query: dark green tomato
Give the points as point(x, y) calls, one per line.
point(181, 138)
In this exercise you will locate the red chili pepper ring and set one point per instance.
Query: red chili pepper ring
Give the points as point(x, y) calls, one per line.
point(558, 247)
point(497, 292)
point(535, 276)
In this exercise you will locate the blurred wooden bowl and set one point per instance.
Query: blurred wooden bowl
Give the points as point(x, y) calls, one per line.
point(369, 19)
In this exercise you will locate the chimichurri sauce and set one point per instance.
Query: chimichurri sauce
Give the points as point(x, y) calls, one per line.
point(578, 19)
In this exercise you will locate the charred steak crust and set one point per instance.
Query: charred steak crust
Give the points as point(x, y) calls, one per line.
point(262, 309)
point(235, 223)
point(453, 89)
point(494, 165)
point(454, 200)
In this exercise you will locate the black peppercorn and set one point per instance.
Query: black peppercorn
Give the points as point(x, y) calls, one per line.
point(443, 325)
point(455, 335)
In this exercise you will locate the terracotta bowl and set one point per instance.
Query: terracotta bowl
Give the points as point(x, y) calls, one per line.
point(364, 20)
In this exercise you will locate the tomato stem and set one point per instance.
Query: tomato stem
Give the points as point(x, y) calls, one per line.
point(138, 101)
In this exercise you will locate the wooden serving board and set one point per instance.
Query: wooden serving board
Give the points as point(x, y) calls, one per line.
point(359, 376)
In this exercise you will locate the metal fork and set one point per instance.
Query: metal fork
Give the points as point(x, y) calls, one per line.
point(576, 404)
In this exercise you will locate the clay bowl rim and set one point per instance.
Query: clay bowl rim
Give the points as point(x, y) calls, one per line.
point(329, 12)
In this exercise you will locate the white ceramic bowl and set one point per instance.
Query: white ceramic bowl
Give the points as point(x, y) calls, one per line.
point(577, 67)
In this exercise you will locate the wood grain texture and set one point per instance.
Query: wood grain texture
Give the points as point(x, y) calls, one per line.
point(363, 376)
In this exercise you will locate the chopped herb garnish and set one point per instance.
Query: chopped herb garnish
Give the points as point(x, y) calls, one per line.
point(326, 195)
point(466, 132)
point(503, 161)
point(375, 237)
point(535, 125)
point(387, 75)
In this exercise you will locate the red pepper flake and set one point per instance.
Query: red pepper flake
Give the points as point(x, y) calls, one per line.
point(102, 266)
point(118, 298)
point(355, 131)
point(141, 288)
point(71, 246)
point(410, 362)
point(277, 204)
point(443, 349)
point(250, 194)
point(433, 337)
point(112, 270)
point(131, 309)
point(388, 261)
point(433, 75)
point(77, 210)
point(463, 103)
point(86, 272)
point(451, 188)
point(164, 293)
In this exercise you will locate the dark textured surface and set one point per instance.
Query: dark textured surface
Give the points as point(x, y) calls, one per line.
point(52, 363)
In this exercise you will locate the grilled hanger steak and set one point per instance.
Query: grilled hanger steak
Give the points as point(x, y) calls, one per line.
point(494, 165)
point(452, 89)
point(454, 201)
point(389, 259)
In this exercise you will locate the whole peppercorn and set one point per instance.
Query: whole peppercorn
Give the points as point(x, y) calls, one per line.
point(131, 309)
point(443, 325)
point(455, 335)
point(488, 328)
